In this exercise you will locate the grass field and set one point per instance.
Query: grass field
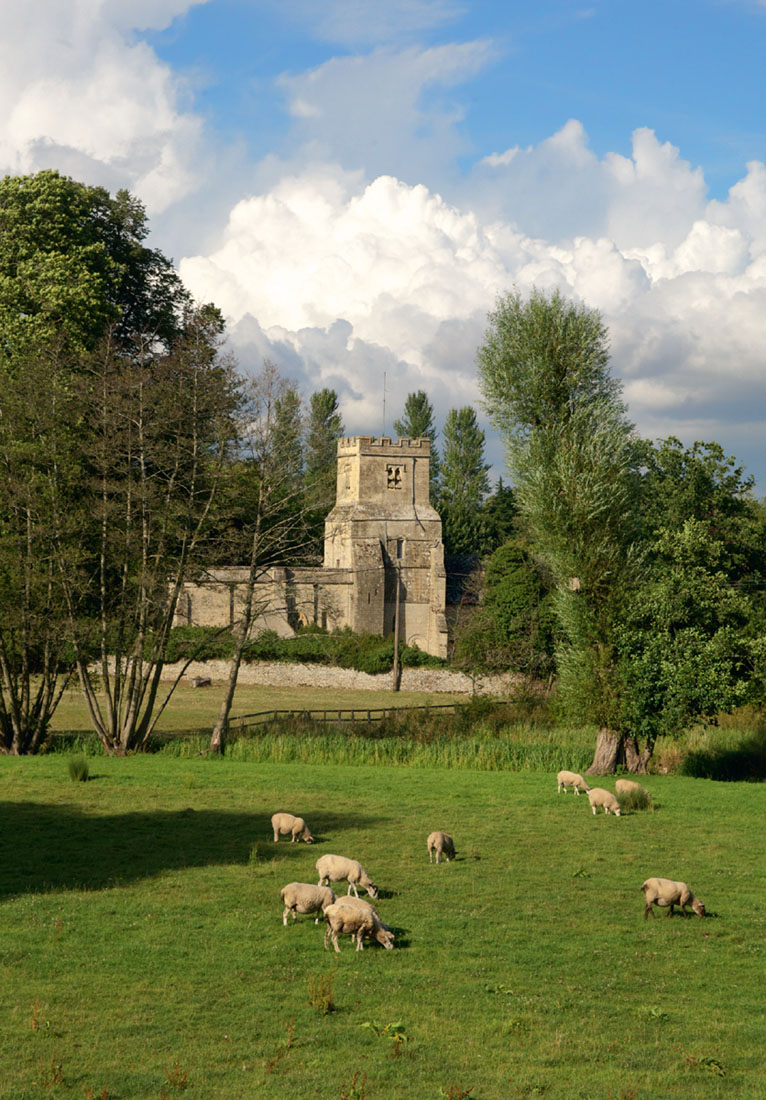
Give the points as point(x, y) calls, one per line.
point(143, 953)
point(197, 708)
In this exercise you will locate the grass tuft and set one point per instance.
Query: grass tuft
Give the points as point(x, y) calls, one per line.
point(79, 770)
point(635, 800)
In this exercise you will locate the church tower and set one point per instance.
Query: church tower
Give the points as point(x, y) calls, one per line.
point(382, 524)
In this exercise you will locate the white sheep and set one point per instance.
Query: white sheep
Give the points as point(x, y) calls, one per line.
point(289, 825)
point(442, 844)
point(367, 906)
point(571, 779)
point(666, 892)
point(304, 897)
point(355, 922)
point(628, 786)
point(597, 796)
point(336, 868)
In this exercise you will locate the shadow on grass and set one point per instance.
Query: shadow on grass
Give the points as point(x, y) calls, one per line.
point(743, 762)
point(44, 847)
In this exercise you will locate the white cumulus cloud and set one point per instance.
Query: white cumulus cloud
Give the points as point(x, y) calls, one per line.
point(344, 280)
point(80, 95)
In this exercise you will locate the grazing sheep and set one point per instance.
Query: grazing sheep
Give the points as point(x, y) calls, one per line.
point(304, 897)
point(366, 906)
point(597, 796)
point(571, 779)
point(627, 786)
point(335, 868)
point(355, 922)
point(442, 844)
point(664, 892)
point(289, 825)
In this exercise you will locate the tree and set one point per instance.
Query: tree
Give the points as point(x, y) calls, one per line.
point(685, 649)
point(151, 447)
point(702, 483)
point(275, 527)
point(512, 626)
point(418, 423)
point(464, 483)
point(73, 266)
point(574, 460)
point(36, 662)
point(288, 433)
point(323, 430)
point(499, 514)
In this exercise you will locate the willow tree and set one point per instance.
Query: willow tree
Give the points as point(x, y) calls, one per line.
point(573, 455)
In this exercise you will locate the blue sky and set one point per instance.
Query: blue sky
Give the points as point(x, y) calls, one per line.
point(354, 182)
point(689, 69)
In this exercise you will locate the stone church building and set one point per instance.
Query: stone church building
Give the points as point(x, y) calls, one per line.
point(382, 525)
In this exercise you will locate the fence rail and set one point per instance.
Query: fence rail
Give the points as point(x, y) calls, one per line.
point(367, 715)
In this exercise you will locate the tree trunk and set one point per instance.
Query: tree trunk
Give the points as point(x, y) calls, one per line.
point(614, 749)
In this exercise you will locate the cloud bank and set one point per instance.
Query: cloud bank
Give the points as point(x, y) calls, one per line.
point(345, 281)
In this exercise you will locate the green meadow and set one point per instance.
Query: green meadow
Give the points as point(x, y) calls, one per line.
point(143, 953)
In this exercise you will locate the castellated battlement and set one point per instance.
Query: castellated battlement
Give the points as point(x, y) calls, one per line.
point(383, 444)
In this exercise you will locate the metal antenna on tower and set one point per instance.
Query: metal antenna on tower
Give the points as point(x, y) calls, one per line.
point(384, 404)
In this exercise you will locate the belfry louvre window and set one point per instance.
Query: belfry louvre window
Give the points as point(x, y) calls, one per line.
point(394, 477)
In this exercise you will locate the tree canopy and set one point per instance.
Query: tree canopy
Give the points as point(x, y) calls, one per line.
point(73, 265)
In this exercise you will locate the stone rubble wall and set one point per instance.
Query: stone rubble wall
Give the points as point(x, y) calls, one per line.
point(283, 674)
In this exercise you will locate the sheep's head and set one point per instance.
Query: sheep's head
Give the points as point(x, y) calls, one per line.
point(306, 835)
point(372, 889)
point(617, 812)
point(385, 938)
point(698, 907)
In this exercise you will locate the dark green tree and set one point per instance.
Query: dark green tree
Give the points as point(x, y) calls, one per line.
point(153, 439)
point(36, 659)
point(324, 427)
point(288, 433)
point(499, 514)
point(417, 422)
point(686, 650)
point(464, 484)
point(512, 626)
point(73, 265)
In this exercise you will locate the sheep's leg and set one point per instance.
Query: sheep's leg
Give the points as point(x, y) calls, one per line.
point(284, 915)
point(670, 910)
point(276, 836)
point(352, 886)
point(335, 941)
point(359, 945)
point(576, 791)
point(327, 938)
point(649, 909)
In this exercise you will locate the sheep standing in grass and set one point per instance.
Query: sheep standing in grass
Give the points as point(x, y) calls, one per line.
point(441, 844)
point(336, 868)
point(382, 931)
point(356, 922)
point(304, 897)
point(289, 825)
point(571, 779)
point(597, 796)
point(666, 892)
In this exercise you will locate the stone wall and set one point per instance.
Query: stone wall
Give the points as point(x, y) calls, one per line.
point(280, 674)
